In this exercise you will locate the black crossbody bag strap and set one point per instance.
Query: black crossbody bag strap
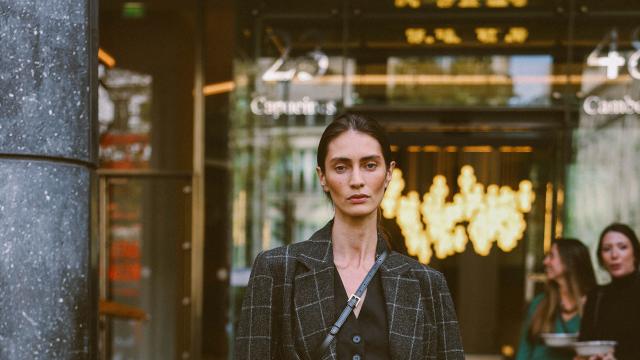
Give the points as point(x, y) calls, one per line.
point(351, 304)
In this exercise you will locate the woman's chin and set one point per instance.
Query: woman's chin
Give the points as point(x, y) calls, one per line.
point(618, 273)
point(358, 212)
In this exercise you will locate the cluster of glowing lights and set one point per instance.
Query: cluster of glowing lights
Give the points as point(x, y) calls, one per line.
point(464, 4)
point(485, 35)
point(434, 225)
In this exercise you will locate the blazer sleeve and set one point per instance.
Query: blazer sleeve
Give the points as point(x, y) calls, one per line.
point(254, 337)
point(447, 329)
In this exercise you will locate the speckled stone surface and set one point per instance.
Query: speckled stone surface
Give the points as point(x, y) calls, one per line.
point(46, 310)
point(44, 78)
point(44, 252)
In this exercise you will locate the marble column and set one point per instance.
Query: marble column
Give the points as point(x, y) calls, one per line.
point(48, 71)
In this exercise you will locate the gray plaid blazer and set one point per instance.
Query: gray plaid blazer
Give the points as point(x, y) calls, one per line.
point(288, 307)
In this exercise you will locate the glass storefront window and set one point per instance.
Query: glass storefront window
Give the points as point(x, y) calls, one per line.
point(144, 266)
point(146, 175)
point(454, 82)
point(602, 184)
point(517, 80)
point(422, 53)
point(146, 90)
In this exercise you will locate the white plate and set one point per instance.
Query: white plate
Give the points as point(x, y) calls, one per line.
point(559, 339)
point(589, 348)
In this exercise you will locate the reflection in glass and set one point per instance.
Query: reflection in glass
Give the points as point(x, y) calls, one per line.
point(146, 264)
point(470, 81)
point(124, 115)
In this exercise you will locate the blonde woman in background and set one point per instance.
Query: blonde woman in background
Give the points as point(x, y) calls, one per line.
point(558, 310)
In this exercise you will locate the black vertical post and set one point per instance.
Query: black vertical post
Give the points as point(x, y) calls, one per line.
point(48, 106)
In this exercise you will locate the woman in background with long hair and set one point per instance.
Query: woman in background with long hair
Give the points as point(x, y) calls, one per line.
point(558, 310)
point(612, 311)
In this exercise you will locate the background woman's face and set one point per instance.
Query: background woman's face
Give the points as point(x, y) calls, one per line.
point(355, 174)
point(617, 254)
point(553, 265)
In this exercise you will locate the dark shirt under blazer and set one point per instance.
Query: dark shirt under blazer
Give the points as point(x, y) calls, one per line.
point(365, 337)
point(289, 307)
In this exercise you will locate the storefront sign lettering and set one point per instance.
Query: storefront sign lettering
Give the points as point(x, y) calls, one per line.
point(314, 63)
point(613, 61)
point(594, 105)
point(262, 106)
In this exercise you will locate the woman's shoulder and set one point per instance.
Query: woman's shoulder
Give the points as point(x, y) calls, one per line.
point(536, 300)
point(418, 269)
point(533, 305)
point(598, 291)
point(281, 255)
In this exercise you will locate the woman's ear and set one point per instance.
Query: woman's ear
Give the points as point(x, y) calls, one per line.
point(322, 178)
point(387, 180)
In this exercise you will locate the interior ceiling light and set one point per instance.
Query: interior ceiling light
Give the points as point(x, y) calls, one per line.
point(468, 79)
point(106, 59)
point(464, 4)
point(435, 225)
point(218, 88)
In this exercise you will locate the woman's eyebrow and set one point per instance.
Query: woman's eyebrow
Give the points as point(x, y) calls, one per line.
point(371, 157)
point(339, 159)
point(346, 159)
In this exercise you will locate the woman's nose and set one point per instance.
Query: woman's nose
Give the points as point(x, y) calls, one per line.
point(356, 178)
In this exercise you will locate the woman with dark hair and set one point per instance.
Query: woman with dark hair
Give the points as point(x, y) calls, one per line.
point(343, 294)
point(612, 311)
point(569, 277)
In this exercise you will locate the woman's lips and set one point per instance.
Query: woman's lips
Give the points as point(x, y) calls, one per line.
point(358, 198)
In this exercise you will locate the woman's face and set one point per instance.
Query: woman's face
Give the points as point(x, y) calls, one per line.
point(616, 253)
point(553, 265)
point(355, 174)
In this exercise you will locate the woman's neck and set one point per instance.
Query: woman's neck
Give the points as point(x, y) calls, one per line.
point(563, 289)
point(624, 279)
point(568, 303)
point(354, 241)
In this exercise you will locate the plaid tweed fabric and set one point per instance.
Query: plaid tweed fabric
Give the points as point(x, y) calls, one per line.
point(288, 306)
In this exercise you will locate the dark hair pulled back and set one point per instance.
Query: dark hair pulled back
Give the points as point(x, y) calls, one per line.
point(355, 122)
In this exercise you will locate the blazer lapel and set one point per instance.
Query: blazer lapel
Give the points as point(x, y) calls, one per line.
point(405, 313)
point(313, 294)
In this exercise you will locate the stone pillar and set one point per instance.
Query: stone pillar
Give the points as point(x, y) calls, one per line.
point(48, 71)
